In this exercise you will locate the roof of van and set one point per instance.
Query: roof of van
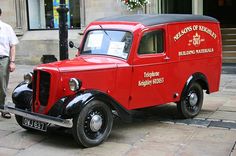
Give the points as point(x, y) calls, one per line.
point(149, 20)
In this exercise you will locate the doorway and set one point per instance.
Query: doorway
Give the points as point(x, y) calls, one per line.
point(223, 10)
point(177, 6)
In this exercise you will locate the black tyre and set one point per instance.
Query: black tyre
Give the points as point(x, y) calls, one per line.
point(19, 121)
point(191, 102)
point(93, 124)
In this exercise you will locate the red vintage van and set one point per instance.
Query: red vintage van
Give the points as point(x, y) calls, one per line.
point(124, 63)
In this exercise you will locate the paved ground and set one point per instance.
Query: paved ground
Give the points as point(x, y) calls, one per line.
point(154, 131)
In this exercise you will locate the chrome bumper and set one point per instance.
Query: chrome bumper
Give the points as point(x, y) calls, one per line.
point(39, 117)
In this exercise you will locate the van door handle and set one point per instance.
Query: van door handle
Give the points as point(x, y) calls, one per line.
point(166, 58)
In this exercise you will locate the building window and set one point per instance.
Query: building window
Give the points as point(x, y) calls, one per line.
point(177, 6)
point(42, 14)
point(152, 43)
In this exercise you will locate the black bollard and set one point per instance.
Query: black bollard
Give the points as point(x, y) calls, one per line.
point(63, 30)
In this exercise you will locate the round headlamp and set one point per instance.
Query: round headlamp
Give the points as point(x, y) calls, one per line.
point(74, 84)
point(28, 78)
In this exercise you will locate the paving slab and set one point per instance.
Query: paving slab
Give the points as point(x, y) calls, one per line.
point(227, 108)
point(21, 139)
point(9, 124)
point(231, 103)
point(223, 115)
point(233, 153)
point(191, 141)
point(129, 133)
point(205, 113)
point(116, 149)
point(212, 105)
point(223, 125)
point(204, 148)
point(194, 122)
point(207, 142)
point(4, 133)
point(215, 135)
point(151, 148)
point(8, 151)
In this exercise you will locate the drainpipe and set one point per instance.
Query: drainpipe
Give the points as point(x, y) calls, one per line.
point(63, 30)
point(197, 7)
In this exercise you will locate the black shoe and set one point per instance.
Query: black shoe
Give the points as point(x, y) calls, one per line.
point(6, 115)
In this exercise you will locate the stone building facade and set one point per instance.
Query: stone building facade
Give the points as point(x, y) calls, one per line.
point(36, 21)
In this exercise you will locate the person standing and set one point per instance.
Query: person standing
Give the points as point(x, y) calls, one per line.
point(8, 41)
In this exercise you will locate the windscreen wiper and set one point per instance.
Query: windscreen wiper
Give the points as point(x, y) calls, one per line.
point(105, 32)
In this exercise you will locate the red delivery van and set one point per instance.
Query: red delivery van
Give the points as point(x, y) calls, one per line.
point(123, 63)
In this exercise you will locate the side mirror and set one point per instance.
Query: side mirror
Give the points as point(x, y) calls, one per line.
point(71, 44)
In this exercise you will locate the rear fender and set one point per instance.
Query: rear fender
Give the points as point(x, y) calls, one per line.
point(198, 78)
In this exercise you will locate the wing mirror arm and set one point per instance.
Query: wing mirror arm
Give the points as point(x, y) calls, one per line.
point(72, 45)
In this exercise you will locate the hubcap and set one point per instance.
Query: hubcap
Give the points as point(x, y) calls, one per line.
point(96, 123)
point(193, 99)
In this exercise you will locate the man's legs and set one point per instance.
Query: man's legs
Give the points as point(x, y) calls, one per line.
point(4, 78)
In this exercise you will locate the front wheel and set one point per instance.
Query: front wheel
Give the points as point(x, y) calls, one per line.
point(191, 102)
point(93, 124)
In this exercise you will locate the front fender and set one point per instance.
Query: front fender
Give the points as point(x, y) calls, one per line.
point(78, 102)
point(22, 96)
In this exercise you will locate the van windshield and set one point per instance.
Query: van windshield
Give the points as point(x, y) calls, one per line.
point(108, 42)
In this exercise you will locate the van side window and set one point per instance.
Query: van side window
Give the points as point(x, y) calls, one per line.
point(152, 43)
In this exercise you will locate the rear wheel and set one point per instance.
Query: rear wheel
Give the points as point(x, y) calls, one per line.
point(93, 124)
point(191, 102)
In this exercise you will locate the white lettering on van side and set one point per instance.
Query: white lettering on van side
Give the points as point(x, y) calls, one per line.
point(151, 78)
point(188, 29)
point(144, 83)
point(182, 32)
point(207, 30)
point(150, 74)
point(195, 52)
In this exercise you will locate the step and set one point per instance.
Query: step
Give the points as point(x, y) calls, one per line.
point(229, 42)
point(228, 30)
point(229, 53)
point(228, 36)
point(229, 59)
point(229, 47)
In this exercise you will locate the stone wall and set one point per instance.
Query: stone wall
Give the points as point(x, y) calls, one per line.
point(8, 12)
point(34, 44)
point(102, 8)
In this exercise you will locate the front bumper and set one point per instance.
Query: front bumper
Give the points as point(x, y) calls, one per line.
point(39, 117)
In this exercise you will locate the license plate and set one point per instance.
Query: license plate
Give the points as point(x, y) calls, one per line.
point(34, 124)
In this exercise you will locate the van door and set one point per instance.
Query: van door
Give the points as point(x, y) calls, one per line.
point(152, 73)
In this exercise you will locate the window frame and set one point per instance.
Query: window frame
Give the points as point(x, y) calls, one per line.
point(86, 35)
point(153, 31)
point(46, 29)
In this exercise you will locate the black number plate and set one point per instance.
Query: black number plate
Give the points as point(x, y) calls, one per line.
point(34, 124)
